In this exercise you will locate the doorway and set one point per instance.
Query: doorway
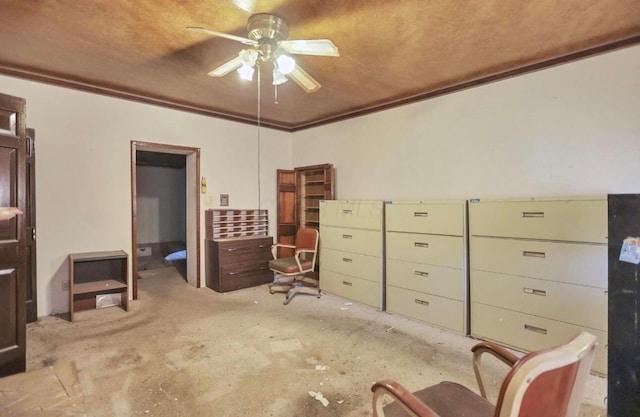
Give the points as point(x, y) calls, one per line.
point(140, 151)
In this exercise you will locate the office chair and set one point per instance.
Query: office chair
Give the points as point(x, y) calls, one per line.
point(290, 272)
point(545, 383)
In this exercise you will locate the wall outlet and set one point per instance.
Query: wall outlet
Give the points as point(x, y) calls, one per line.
point(65, 285)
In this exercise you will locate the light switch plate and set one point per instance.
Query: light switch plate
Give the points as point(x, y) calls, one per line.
point(224, 200)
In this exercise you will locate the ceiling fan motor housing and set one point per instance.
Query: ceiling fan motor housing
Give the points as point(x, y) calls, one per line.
point(268, 30)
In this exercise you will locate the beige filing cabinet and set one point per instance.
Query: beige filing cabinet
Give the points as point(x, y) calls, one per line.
point(351, 248)
point(426, 261)
point(539, 272)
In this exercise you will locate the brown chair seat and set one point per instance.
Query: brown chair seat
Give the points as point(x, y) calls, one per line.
point(288, 265)
point(448, 399)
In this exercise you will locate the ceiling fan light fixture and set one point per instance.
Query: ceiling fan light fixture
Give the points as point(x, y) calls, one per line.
point(278, 77)
point(246, 72)
point(285, 64)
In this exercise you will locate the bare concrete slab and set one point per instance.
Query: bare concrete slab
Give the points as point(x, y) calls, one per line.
point(182, 351)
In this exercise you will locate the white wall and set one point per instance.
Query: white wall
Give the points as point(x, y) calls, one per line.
point(160, 205)
point(83, 172)
point(568, 130)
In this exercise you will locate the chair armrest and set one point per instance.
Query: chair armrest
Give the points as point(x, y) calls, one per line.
point(274, 248)
point(497, 351)
point(409, 402)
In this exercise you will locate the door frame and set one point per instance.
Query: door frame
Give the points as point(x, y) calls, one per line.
point(192, 210)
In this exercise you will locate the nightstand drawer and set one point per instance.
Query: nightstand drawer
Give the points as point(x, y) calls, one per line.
point(565, 220)
point(437, 218)
point(575, 304)
point(429, 308)
point(367, 242)
point(428, 249)
point(447, 282)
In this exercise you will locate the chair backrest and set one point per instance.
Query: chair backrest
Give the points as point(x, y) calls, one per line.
point(549, 382)
point(307, 239)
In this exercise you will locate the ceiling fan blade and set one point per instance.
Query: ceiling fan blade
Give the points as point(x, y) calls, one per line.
point(304, 80)
point(240, 39)
point(227, 67)
point(322, 47)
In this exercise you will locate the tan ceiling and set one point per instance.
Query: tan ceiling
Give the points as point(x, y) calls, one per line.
point(391, 51)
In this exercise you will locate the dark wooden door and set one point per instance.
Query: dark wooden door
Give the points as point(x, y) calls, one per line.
point(287, 221)
point(12, 236)
point(30, 226)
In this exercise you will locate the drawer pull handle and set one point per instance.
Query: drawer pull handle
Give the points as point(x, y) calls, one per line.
point(233, 273)
point(535, 329)
point(263, 268)
point(261, 246)
point(421, 214)
point(533, 254)
point(421, 302)
point(347, 211)
point(347, 283)
point(533, 214)
point(535, 292)
point(421, 274)
point(420, 245)
point(347, 237)
point(230, 249)
point(347, 260)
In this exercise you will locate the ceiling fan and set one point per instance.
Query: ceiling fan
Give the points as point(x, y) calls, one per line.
point(267, 37)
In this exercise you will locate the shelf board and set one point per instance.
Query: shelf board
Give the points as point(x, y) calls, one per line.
point(314, 196)
point(314, 182)
point(98, 286)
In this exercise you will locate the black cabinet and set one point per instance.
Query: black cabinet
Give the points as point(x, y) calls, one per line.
point(623, 399)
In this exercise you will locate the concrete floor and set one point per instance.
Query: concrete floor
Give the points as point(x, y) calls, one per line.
point(182, 351)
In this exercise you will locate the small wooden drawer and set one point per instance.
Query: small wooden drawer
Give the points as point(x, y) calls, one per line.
point(565, 220)
point(575, 304)
point(353, 288)
point(529, 333)
point(576, 263)
point(445, 218)
point(429, 308)
point(366, 242)
point(428, 249)
point(244, 249)
point(353, 214)
point(353, 264)
point(446, 282)
point(233, 279)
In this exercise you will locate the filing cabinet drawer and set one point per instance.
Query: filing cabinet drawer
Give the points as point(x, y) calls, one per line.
point(244, 249)
point(428, 249)
point(367, 242)
point(576, 263)
point(529, 333)
point(360, 290)
point(446, 282)
point(438, 218)
point(575, 304)
point(429, 308)
point(565, 220)
point(353, 214)
point(354, 264)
